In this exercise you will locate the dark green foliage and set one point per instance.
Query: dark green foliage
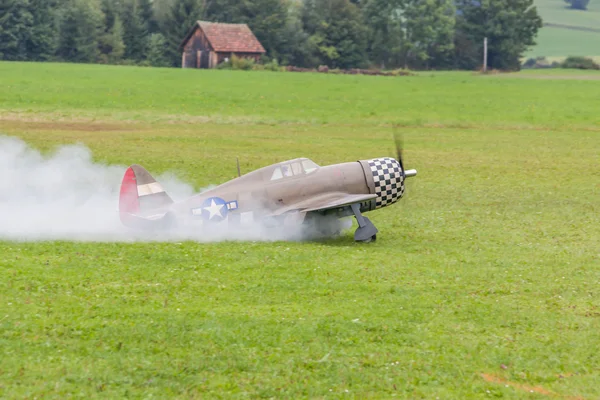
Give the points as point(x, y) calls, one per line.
point(180, 19)
point(509, 25)
point(414, 33)
point(388, 34)
point(429, 30)
point(111, 44)
point(578, 4)
point(540, 63)
point(156, 51)
point(135, 31)
point(385, 31)
point(337, 33)
point(294, 41)
point(16, 22)
point(81, 27)
point(146, 15)
point(28, 29)
point(41, 44)
point(579, 63)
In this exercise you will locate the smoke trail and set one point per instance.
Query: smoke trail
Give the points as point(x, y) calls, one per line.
point(66, 196)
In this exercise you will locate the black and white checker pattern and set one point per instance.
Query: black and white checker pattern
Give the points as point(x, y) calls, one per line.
point(389, 183)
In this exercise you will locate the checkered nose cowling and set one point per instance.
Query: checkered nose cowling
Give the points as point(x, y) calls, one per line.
point(388, 179)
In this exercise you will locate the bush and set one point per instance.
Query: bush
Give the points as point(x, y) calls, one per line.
point(579, 63)
point(272, 66)
point(578, 4)
point(539, 62)
point(244, 64)
point(224, 65)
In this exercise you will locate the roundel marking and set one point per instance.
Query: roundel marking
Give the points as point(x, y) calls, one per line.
point(214, 209)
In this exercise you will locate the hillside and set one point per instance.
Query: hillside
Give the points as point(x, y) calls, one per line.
point(566, 31)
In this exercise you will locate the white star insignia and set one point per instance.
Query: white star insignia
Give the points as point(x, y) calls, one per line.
point(214, 209)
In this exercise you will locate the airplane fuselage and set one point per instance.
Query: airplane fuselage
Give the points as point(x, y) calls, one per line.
point(268, 193)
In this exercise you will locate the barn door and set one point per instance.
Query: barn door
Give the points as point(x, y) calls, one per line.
point(198, 59)
point(212, 59)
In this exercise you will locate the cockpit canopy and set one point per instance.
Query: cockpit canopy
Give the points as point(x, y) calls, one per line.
point(301, 166)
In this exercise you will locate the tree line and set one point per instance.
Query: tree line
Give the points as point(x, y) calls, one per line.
point(415, 34)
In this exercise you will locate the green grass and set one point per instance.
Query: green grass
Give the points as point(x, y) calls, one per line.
point(561, 41)
point(159, 95)
point(489, 265)
point(557, 12)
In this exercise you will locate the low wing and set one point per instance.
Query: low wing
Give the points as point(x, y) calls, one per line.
point(326, 202)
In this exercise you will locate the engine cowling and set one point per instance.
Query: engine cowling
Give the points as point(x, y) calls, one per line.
point(385, 178)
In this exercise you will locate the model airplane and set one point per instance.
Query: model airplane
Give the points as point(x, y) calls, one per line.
point(296, 190)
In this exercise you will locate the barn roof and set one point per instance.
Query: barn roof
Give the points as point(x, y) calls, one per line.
point(235, 38)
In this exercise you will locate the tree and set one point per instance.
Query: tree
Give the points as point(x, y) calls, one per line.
point(134, 32)
point(384, 22)
point(229, 11)
point(578, 4)
point(429, 31)
point(111, 44)
point(41, 44)
point(157, 51)
point(509, 25)
point(182, 15)
point(337, 33)
point(267, 20)
point(146, 15)
point(295, 49)
point(81, 26)
point(16, 22)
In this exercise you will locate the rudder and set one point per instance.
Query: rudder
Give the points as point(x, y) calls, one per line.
point(140, 194)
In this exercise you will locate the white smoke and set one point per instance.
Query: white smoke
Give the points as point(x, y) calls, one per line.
point(67, 196)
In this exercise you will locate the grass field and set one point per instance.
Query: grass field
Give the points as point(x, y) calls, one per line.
point(563, 41)
point(484, 281)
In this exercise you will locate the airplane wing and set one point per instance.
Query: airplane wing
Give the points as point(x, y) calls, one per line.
point(326, 202)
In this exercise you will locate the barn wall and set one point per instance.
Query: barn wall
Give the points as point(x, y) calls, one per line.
point(197, 42)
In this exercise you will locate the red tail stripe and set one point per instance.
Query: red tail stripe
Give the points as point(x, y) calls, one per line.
point(128, 198)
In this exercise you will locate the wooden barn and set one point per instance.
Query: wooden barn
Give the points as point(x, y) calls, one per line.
point(210, 43)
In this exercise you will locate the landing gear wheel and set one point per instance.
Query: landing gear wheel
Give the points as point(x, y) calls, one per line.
point(369, 240)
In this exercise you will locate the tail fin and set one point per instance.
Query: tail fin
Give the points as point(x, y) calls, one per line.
point(141, 195)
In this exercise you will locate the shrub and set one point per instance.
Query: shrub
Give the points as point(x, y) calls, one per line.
point(272, 66)
point(579, 63)
point(539, 62)
point(244, 64)
point(578, 4)
point(224, 65)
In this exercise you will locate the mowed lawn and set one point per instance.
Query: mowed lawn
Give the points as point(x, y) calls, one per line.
point(484, 281)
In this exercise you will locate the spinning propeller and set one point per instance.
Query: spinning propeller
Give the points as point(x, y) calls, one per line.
point(399, 140)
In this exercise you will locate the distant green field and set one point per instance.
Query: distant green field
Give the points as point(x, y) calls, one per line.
point(555, 42)
point(484, 281)
point(562, 41)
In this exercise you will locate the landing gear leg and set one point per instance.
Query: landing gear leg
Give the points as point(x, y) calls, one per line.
point(366, 231)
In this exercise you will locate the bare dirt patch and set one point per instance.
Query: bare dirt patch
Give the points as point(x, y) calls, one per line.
point(531, 389)
point(41, 124)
